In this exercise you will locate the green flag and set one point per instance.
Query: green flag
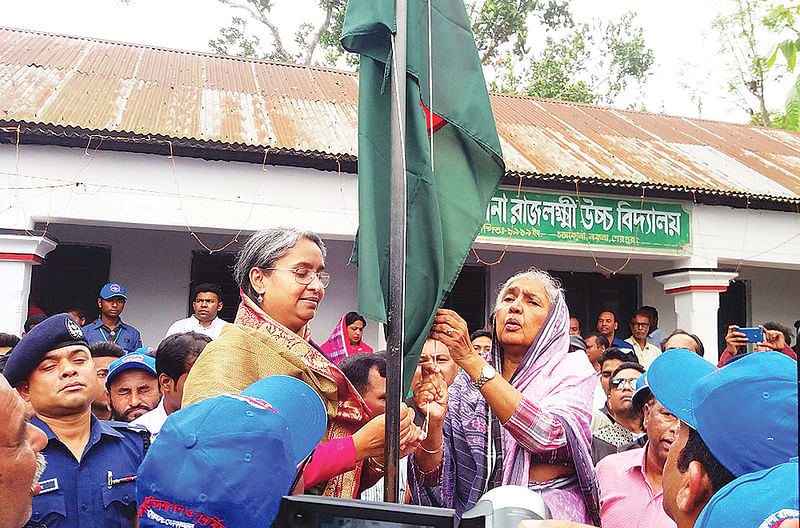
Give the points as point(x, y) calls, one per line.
point(446, 203)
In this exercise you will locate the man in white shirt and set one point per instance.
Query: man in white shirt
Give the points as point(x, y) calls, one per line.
point(174, 359)
point(640, 328)
point(207, 303)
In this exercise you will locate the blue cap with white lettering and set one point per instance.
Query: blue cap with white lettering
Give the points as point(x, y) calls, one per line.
point(113, 289)
point(134, 360)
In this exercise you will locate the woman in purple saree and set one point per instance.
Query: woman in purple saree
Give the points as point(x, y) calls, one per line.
point(520, 417)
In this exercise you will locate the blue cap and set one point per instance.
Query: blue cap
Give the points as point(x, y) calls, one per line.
point(54, 332)
point(113, 289)
point(135, 360)
point(146, 351)
point(761, 499)
point(642, 392)
point(228, 460)
point(745, 412)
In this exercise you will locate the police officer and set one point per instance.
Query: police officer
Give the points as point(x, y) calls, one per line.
point(91, 464)
point(109, 326)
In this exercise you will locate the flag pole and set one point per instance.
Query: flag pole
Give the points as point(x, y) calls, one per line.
point(397, 257)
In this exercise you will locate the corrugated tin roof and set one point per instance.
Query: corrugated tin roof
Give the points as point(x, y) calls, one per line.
point(123, 88)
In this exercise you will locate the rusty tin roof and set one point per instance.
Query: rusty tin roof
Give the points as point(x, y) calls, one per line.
point(119, 88)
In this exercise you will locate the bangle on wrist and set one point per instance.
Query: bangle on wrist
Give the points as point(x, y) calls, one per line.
point(435, 450)
point(376, 464)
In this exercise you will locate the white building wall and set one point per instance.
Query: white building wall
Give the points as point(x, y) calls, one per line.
point(108, 189)
point(155, 267)
point(774, 295)
point(127, 189)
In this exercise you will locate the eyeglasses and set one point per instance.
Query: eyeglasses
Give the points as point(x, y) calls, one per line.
point(306, 276)
point(618, 383)
point(640, 324)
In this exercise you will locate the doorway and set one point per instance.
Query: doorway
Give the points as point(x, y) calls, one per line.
point(588, 294)
point(216, 268)
point(71, 275)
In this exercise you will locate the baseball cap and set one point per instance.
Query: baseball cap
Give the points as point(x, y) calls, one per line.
point(113, 289)
point(55, 332)
point(227, 461)
point(642, 392)
point(745, 412)
point(135, 360)
point(764, 499)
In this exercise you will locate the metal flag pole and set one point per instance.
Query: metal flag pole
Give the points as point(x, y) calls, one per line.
point(397, 256)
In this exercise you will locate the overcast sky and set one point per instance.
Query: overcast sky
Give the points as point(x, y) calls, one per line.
point(686, 53)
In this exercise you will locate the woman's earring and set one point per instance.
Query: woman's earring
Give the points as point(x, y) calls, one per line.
point(260, 299)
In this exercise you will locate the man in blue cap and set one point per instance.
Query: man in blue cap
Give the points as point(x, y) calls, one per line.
point(109, 326)
point(737, 422)
point(132, 384)
point(88, 481)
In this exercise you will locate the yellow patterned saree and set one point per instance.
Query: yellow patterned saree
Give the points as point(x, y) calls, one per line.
point(257, 346)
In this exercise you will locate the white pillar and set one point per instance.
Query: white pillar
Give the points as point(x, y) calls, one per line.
point(696, 295)
point(18, 254)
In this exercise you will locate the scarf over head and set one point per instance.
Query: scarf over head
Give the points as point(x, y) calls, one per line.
point(562, 383)
point(257, 346)
point(479, 454)
point(338, 346)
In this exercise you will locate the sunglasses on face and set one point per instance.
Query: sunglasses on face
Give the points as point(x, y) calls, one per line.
point(619, 383)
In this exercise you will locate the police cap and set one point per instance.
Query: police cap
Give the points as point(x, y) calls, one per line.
point(54, 332)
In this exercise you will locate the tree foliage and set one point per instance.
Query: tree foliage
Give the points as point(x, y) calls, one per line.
point(782, 19)
point(591, 64)
point(741, 34)
point(580, 62)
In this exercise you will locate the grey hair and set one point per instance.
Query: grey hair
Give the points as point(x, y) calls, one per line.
point(551, 285)
point(264, 248)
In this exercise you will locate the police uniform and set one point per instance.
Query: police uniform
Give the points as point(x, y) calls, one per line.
point(123, 334)
point(98, 490)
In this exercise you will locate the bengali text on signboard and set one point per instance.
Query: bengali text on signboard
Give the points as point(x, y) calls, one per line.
point(584, 219)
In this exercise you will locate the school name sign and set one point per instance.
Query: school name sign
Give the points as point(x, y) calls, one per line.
point(584, 219)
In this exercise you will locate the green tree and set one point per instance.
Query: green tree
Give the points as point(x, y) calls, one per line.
point(614, 54)
point(233, 40)
point(741, 38)
point(307, 36)
point(591, 64)
point(782, 19)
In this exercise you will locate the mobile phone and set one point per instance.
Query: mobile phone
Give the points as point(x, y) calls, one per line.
point(754, 335)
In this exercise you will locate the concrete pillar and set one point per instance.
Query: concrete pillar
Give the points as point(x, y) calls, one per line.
point(695, 292)
point(18, 254)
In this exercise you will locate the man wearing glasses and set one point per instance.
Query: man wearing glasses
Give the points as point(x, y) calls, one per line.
point(206, 305)
point(640, 328)
point(627, 420)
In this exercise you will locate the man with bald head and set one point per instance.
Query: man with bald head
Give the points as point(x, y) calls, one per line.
point(683, 339)
point(21, 463)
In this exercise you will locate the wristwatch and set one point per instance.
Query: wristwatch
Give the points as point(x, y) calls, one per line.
point(487, 372)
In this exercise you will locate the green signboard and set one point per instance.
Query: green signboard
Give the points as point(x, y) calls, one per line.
point(586, 220)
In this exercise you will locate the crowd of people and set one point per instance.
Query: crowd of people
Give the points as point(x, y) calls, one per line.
point(221, 419)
